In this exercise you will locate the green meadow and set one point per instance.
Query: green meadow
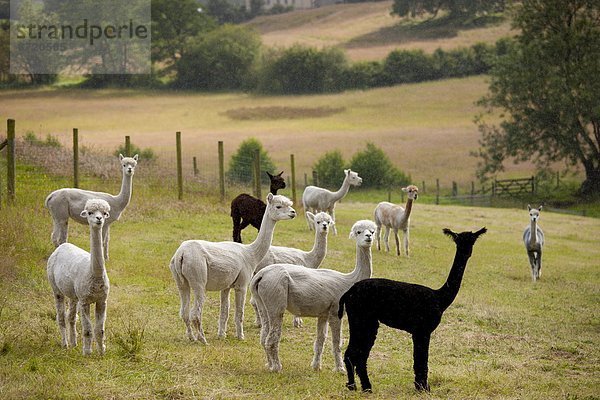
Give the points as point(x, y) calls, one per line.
point(504, 337)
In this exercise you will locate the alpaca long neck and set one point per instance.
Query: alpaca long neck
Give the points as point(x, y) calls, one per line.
point(450, 289)
point(317, 253)
point(533, 233)
point(96, 253)
point(363, 268)
point(124, 195)
point(274, 190)
point(342, 191)
point(263, 241)
point(407, 210)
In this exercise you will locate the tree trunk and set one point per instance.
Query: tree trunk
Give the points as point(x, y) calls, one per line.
point(591, 185)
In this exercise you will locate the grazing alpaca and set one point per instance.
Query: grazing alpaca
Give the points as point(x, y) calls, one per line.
point(308, 293)
point(209, 266)
point(395, 217)
point(412, 308)
point(309, 259)
point(317, 199)
point(534, 243)
point(248, 210)
point(81, 277)
point(65, 203)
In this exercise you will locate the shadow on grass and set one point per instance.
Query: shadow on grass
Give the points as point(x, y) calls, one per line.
point(412, 30)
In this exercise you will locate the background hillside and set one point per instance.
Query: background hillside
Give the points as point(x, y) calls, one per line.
point(368, 31)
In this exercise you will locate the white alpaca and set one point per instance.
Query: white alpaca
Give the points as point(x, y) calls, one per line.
point(317, 199)
point(534, 243)
point(395, 217)
point(309, 259)
point(81, 277)
point(309, 293)
point(65, 203)
point(209, 266)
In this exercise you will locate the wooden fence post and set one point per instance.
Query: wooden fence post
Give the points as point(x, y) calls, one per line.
point(127, 146)
point(257, 191)
point(75, 158)
point(533, 184)
point(437, 191)
point(454, 189)
point(221, 171)
point(423, 187)
point(195, 167)
point(390, 195)
point(293, 167)
point(305, 180)
point(179, 166)
point(315, 178)
point(10, 160)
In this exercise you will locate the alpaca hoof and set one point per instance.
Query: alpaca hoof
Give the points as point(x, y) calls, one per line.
point(315, 366)
point(275, 368)
point(241, 337)
point(298, 322)
point(339, 369)
point(367, 390)
point(422, 387)
point(351, 386)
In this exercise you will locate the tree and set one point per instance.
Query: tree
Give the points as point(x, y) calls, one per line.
point(330, 169)
point(241, 163)
point(222, 59)
point(546, 89)
point(376, 169)
point(414, 8)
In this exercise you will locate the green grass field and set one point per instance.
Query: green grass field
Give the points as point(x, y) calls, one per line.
point(504, 337)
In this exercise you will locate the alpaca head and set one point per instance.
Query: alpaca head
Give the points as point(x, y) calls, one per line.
point(279, 207)
point(363, 232)
point(353, 177)
point(534, 213)
point(128, 164)
point(322, 221)
point(277, 182)
point(96, 211)
point(412, 192)
point(465, 240)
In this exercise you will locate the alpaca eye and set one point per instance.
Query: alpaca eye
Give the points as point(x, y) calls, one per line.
point(359, 232)
point(278, 207)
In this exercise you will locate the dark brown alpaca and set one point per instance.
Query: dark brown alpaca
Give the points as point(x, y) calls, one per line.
point(412, 308)
point(248, 210)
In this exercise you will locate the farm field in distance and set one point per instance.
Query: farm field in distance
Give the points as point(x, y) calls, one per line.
point(504, 336)
point(426, 129)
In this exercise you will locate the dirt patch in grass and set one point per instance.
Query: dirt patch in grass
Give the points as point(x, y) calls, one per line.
point(278, 112)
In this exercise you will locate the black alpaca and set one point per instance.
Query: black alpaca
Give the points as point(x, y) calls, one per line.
point(248, 210)
point(413, 308)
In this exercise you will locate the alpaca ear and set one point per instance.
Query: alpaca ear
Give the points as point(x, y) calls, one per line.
point(279, 174)
point(310, 216)
point(84, 214)
point(135, 157)
point(269, 197)
point(480, 232)
point(448, 232)
point(106, 214)
point(352, 235)
point(540, 209)
point(405, 189)
point(268, 173)
point(346, 171)
point(528, 207)
point(121, 157)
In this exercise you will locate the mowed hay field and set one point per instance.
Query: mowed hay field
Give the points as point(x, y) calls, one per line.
point(504, 337)
point(426, 129)
point(368, 31)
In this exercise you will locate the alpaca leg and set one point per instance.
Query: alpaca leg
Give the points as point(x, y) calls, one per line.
point(240, 300)
point(308, 221)
point(256, 312)
point(196, 313)
point(397, 241)
point(224, 316)
point(539, 264)
point(86, 327)
point(297, 322)
point(367, 332)
point(420, 359)
point(272, 341)
point(99, 328)
point(386, 237)
point(532, 264)
point(184, 309)
point(336, 342)
point(377, 236)
point(349, 363)
point(319, 342)
point(105, 240)
point(60, 231)
point(72, 318)
point(60, 318)
point(406, 243)
point(332, 213)
point(237, 231)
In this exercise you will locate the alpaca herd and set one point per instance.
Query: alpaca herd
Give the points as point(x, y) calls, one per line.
point(279, 278)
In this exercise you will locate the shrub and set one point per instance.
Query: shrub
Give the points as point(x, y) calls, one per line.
point(241, 163)
point(221, 59)
point(330, 169)
point(376, 169)
point(300, 69)
point(146, 154)
point(51, 141)
point(403, 66)
point(363, 75)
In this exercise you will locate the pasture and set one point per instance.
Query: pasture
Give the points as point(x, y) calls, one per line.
point(504, 337)
point(425, 129)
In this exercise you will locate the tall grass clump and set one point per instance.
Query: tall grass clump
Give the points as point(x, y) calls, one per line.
point(129, 340)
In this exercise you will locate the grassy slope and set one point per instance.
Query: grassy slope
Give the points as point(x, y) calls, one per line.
point(368, 31)
point(426, 129)
point(504, 337)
